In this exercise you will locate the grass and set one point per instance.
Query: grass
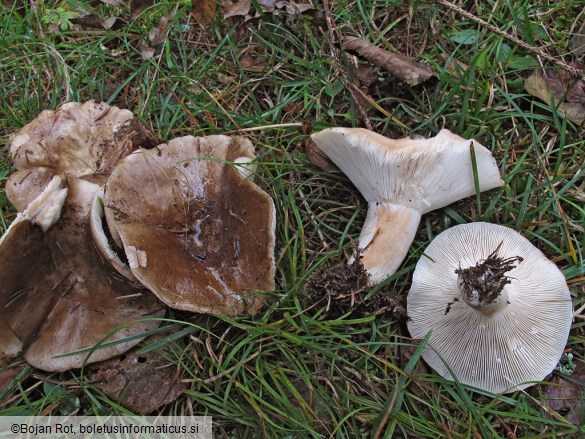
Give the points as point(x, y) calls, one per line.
point(294, 371)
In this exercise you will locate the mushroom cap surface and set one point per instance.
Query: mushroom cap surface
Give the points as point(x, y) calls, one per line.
point(195, 231)
point(78, 138)
point(22, 187)
point(420, 174)
point(500, 349)
point(57, 297)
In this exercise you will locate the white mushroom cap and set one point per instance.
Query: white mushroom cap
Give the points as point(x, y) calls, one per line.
point(505, 345)
point(402, 179)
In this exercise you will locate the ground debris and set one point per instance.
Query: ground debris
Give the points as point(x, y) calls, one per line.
point(567, 395)
point(410, 71)
point(343, 288)
point(203, 11)
point(141, 382)
point(568, 93)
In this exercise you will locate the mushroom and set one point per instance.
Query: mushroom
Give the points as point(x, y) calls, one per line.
point(196, 231)
point(56, 297)
point(22, 187)
point(498, 310)
point(402, 179)
point(79, 138)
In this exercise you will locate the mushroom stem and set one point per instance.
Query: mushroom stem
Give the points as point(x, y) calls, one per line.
point(483, 284)
point(385, 238)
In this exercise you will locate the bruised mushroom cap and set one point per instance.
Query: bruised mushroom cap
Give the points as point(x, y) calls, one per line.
point(502, 346)
point(78, 138)
point(402, 179)
point(195, 231)
point(55, 295)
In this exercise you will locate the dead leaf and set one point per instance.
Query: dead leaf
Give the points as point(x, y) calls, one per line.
point(147, 52)
point(140, 382)
point(568, 93)
point(203, 11)
point(93, 21)
point(567, 396)
point(365, 75)
point(139, 6)
point(410, 71)
point(251, 63)
point(158, 34)
point(318, 158)
point(278, 7)
point(293, 8)
point(112, 2)
point(235, 8)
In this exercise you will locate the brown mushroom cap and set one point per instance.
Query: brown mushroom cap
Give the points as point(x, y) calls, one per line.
point(55, 295)
point(502, 345)
point(196, 233)
point(78, 139)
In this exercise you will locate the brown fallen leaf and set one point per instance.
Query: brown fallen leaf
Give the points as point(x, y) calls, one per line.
point(315, 155)
point(233, 8)
point(158, 34)
point(408, 70)
point(568, 93)
point(140, 382)
point(139, 6)
point(318, 158)
point(365, 75)
point(252, 63)
point(203, 11)
point(93, 21)
point(146, 51)
point(567, 396)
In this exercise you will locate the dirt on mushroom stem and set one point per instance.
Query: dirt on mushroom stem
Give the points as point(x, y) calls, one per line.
point(343, 289)
point(481, 284)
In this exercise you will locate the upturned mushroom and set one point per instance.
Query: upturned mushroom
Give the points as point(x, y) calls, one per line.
point(196, 231)
point(56, 297)
point(498, 310)
point(79, 139)
point(402, 179)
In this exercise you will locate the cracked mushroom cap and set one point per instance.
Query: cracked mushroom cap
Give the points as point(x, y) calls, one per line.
point(56, 296)
point(79, 139)
point(402, 179)
point(195, 230)
point(501, 344)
